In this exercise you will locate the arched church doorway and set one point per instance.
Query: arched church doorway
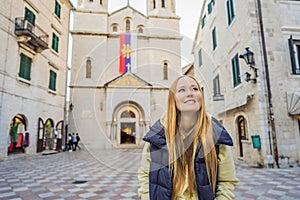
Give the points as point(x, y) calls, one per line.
point(18, 136)
point(128, 127)
point(128, 124)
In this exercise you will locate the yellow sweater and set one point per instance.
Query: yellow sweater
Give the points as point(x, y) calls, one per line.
point(226, 176)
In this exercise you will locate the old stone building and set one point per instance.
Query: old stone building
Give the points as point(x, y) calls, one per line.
point(257, 102)
point(114, 103)
point(34, 46)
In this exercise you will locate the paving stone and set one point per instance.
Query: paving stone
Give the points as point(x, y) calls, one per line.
point(112, 175)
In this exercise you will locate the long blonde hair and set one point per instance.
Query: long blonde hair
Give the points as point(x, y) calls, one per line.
point(179, 160)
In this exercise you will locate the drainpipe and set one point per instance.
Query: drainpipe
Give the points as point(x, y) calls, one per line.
point(66, 106)
point(271, 120)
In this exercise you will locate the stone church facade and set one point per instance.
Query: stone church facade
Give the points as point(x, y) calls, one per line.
point(112, 109)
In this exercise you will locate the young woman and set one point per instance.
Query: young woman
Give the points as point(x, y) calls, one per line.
point(187, 153)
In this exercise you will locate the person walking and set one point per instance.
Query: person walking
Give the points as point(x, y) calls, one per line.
point(187, 152)
point(70, 142)
point(77, 142)
point(74, 140)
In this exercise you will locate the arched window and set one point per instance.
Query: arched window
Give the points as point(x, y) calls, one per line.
point(127, 25)
point(165, 71)
point(128, 114)
point(140, 30)
point(242, 128)
point(115, 29)
point(88, 68)
point(163, 4)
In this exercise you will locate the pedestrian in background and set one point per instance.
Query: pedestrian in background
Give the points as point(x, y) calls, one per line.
point(74, 139)
point(187, 154)
point(77, 142)
point(70, 142)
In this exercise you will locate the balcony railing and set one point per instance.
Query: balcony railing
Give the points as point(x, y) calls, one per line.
point(31, 35)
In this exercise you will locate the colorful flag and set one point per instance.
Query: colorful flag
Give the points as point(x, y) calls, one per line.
point(128, 43)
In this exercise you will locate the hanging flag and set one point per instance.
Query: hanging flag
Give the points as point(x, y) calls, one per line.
point(128, 43)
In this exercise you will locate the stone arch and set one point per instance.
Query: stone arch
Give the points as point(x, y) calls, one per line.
point(127, 129)
point(241, 124)
point(18, 130)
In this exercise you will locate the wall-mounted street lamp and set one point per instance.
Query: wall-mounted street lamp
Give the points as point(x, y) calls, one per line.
point(248, 56)
point(71, 106)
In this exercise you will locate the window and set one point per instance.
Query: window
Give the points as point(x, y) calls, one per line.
point(88, 68)
point(25, 67)
point(115, 28)
point(52, 80)
point(140, 30)
point(230, 11)
point(165, 71)
point(57, 9)
point(203, 20)
point(128, 114)
point(163, 4)
point(217, 91)
point(154, 4)
point(214, 38)
point(127, 25)
point(101, 2)
point(200, 57)
point(294, 46)
point(29, 16)
point(236, 70)
point(55, 41)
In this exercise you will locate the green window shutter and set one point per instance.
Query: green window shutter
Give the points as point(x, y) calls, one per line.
point(230, 11)
point(57, 9)
point(203, 21)
point(292, 55)
point(200, 57)
point(52, 81)
point(214, 37)
point(30, 16)
point(55, 42)
point(25, 67)
point(236, 71)
point(209, 7)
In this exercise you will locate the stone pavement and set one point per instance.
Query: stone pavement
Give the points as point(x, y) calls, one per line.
point(112, 174)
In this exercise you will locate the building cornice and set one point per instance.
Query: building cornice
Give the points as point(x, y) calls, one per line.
point(90, 12)
point(116, 35)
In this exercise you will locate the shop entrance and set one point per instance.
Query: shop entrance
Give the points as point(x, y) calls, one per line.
point(18, 135)
point(49, 136)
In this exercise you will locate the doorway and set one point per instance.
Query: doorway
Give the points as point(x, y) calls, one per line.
point(18, 135)
point(242, 133)
point(128, 133)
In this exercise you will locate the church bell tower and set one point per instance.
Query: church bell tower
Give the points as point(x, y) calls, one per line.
point(93, 5)
point(164, 8)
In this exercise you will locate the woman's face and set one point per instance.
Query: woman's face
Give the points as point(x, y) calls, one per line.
point(187, 95)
